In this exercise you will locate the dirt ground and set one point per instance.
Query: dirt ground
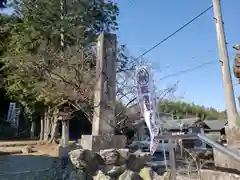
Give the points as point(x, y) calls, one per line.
point(50, 150)
point(38, 147)
point(13, 160)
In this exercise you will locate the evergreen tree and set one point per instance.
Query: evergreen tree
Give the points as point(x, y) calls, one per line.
point(39, 73)
point(181, 109)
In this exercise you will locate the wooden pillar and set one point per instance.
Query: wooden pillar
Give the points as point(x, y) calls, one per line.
point(65, 133)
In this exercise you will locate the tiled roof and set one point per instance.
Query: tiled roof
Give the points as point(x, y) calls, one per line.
point(172, 124)
point(215, 124)
point(177, 123)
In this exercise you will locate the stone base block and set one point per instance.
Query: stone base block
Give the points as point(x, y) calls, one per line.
point(224, 161)
point(63, 151)
point(97, 143)
point(233, 137)
point(63, 155)
point(217, 175)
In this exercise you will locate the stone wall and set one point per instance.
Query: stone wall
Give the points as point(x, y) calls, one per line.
point(217, 175)
point(110, 164)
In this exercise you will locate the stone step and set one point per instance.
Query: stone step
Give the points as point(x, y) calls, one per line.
point(20, 143)
point(207, 174)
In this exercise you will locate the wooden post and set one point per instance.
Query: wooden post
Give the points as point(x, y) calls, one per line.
point(172, 160)
point(65, 133)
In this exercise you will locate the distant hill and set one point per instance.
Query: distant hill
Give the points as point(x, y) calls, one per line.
point(181, 109)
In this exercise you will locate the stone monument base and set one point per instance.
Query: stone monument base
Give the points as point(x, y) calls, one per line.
point(63, 155)
point(97, 142)
point(233, 137)
point(224, 161)
point(233, 144)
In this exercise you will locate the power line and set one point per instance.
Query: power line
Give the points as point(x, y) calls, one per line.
point(189, 69)
point(175, 32)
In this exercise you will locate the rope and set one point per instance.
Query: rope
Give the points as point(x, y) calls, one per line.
point(62, 29)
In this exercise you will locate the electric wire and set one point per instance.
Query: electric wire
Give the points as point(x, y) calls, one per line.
point(175, 32)
point(180, 72)
point(189, 69)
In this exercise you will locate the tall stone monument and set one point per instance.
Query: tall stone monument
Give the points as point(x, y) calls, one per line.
point(103, 122)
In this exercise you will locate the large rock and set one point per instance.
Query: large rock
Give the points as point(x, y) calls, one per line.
point(114, 156)
point(138, 160)
point(27, 149)
point(110, 156)
point(101, 176)
point(85, 159)
point(80, 157)
point(113, 171)
point(130, 175)
point(148, 174)
point(123, 156)
point(110, 164)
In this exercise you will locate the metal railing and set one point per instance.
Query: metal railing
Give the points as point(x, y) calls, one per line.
point(193, 136)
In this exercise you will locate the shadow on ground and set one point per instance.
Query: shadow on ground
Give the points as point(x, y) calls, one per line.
point(27, 167)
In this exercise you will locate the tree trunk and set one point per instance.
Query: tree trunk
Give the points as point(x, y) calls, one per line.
point(54, 132)
point(55, 126)
point(42, 128)
point(33, 128)
point(35, 118)
point(49, 125)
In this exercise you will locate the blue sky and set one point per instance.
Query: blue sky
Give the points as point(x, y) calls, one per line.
point(144, 23)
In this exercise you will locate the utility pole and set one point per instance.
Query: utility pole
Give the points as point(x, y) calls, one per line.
point(225, 67)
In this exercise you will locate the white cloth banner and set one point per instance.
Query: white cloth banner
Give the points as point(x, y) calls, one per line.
point(147, 102)
point(11, 112)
